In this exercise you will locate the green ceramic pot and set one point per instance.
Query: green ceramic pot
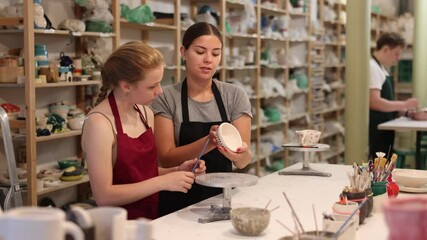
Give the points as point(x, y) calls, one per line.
point(379, 188)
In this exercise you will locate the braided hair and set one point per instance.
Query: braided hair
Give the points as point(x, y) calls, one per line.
point(128, 63)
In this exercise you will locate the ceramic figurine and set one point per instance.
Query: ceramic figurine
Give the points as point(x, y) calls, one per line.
point(39, 20)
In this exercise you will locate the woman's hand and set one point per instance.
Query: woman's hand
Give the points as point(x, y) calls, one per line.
point(178, 181)
point(189, 165)
point(242, 153)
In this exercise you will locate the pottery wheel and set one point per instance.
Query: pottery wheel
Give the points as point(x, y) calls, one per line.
point(308, 156)
point(296, 147)
point(225, 181)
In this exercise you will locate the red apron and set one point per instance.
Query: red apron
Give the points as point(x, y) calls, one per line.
point(136, 162)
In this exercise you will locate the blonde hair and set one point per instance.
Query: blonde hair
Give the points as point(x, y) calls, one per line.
point(129, 63)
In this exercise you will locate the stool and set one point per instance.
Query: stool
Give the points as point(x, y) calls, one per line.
point(402, 154)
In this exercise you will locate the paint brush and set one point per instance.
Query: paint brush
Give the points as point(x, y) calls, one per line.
point(200, 155)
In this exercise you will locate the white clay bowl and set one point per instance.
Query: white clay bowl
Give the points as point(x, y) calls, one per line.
point(228, 136)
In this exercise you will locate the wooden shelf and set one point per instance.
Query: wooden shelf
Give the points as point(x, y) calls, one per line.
point(272, 10)
point(63, 185)
point(242, 67)
point(11, 85)
point(67, 84)
point(147, 26)
point(241, 35)
point(55, 136)
point(281, 39)
point(74, 34)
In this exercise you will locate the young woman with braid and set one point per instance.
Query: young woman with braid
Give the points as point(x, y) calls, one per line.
point(118, 140)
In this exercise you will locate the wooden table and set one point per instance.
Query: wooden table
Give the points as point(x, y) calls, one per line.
point(407, 124)
point(302, 191)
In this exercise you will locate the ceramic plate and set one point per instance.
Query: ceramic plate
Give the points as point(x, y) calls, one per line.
point(412, 189)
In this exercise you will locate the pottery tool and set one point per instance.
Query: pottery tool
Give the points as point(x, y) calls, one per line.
point(200, 155)
point(266, 206)
point(283, 225)
point(293, 212)
point(315, 220)
point(274, 208)
point(338, 232)
point(388, 153)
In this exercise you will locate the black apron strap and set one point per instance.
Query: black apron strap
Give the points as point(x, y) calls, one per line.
point(218, 99)
point(184, 102)
point(219, 102)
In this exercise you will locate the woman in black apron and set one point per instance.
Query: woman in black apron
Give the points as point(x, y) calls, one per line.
point(383, 107)
point(193, 109)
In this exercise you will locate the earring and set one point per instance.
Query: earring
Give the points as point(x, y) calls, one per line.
point(127, 94)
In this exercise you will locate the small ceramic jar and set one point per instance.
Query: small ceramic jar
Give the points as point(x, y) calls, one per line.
point(358, 197)
point(346, 209)
point(370, 202)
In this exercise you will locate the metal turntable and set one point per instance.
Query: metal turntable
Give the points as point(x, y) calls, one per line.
point(227, 181)
point(308, 156)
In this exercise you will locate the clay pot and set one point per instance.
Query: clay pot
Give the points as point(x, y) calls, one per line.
point(358, 197)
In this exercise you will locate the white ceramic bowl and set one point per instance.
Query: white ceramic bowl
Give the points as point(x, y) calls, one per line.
point(61, 110)
point(410, 177)
point(228, 136)
point(250, 221)
point(76, 123)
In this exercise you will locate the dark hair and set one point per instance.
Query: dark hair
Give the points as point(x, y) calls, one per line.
point(129, 62)
point(199, 29)
point(390, 39)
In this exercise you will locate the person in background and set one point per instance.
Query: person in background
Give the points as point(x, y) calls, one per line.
point(188, 113)
point(118, 140)
point(382, 104)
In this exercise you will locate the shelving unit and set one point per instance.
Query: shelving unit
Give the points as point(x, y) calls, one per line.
point(29, 91)
point(327, 71)
point(148, 33)
point(253, 73)
point(310, 108)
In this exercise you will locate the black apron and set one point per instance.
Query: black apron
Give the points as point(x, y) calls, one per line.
point(215, 161)
point(381, 140)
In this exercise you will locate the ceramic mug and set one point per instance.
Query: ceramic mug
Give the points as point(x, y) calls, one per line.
point(110, 222)
point(37, 223)
point(308, 137)
point(406, 218)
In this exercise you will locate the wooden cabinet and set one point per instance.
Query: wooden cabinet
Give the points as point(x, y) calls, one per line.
point(34, 95)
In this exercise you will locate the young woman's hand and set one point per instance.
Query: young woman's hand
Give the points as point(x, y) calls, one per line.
point(178, 181)
point(189, 165)
point(242, 153)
